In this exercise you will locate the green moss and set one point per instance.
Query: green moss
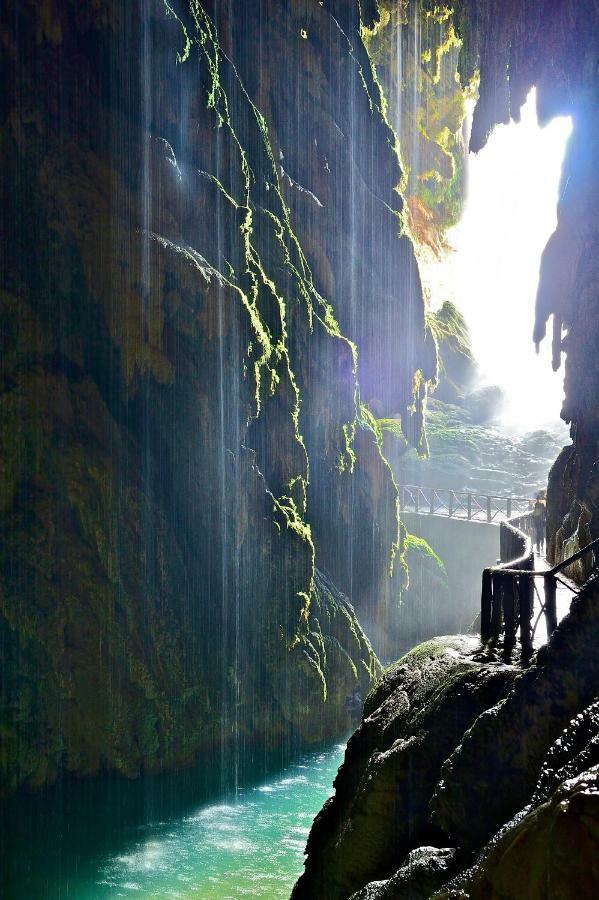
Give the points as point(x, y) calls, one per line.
point(433, 649)
point(450, 431)
point(393, 427)
point(419, 545)
point(449, 325)
point(268, 356)
point(426, 103)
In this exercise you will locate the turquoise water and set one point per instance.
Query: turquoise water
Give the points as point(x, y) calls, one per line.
point(250, 845)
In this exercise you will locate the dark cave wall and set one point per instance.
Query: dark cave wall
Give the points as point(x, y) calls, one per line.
point(570, 290)
point(199, 224)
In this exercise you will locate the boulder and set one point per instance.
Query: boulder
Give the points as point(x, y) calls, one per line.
point(421, 874)
point(550, 853)
point(413, 719)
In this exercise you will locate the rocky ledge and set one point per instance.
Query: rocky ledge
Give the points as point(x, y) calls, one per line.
point(470, 778)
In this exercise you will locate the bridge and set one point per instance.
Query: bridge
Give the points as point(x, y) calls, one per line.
point(462, 504)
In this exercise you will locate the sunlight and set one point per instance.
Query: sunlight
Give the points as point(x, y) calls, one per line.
point(510, 213)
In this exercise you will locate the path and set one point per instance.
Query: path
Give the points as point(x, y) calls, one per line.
point(490, 509)
point(565, 595)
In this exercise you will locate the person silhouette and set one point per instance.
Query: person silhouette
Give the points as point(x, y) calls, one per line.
point(539, 519)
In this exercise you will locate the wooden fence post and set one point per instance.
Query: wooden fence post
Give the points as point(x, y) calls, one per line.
point(526, 596)
point(497, 606)
point(550, 603)
point(508, 593)
point(486, 603)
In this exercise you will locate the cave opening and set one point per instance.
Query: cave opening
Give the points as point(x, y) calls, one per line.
point(491, 271)
point(492, 419)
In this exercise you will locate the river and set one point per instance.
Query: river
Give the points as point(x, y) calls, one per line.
point(248, 843)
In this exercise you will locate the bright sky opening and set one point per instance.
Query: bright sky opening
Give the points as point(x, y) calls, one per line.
point(493, 274)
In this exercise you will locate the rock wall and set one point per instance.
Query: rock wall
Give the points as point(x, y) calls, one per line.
point(415, 49)
point(466, 774)
point(206, 303)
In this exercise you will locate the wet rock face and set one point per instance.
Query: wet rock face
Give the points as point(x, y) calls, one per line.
point(549, 848)
point(415, 716)
point(457, 365)
point(426, 607)
point(200, 223)
point(422, 810)
point(423, 872)
point(574, 752)
point(551, 852)
point(572, 299)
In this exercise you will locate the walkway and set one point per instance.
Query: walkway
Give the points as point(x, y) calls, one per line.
point(566, 590)
point(493, 509)
point(462, 504)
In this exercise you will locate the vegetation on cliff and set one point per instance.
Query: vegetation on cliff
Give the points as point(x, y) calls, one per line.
point(195, 297)
point(415, 49)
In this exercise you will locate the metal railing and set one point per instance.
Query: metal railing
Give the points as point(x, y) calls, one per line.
point(462, 504)
point(507, 596)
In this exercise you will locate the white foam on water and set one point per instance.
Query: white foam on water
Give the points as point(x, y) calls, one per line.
point(253, 847)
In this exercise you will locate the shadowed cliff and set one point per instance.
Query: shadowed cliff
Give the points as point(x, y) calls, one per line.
point(206, 303)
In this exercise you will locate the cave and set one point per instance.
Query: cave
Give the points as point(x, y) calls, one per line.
point(297, 575)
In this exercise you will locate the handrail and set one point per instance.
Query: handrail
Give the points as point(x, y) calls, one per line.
point(508, 532)
point(556, 569)
point(422, 487)
point(507, 598)
point(574, 558)
point(508, 590)
point(462, 504)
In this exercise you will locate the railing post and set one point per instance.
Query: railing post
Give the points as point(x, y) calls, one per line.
point(550, 603)
point(417, 499)
point(526, 592)
point(469, 505)
point(509, 507)
point(432, 503)
point(497, 606)
point(486, 604)
point(488, 509)
point(450, 506)
point(508, 593)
